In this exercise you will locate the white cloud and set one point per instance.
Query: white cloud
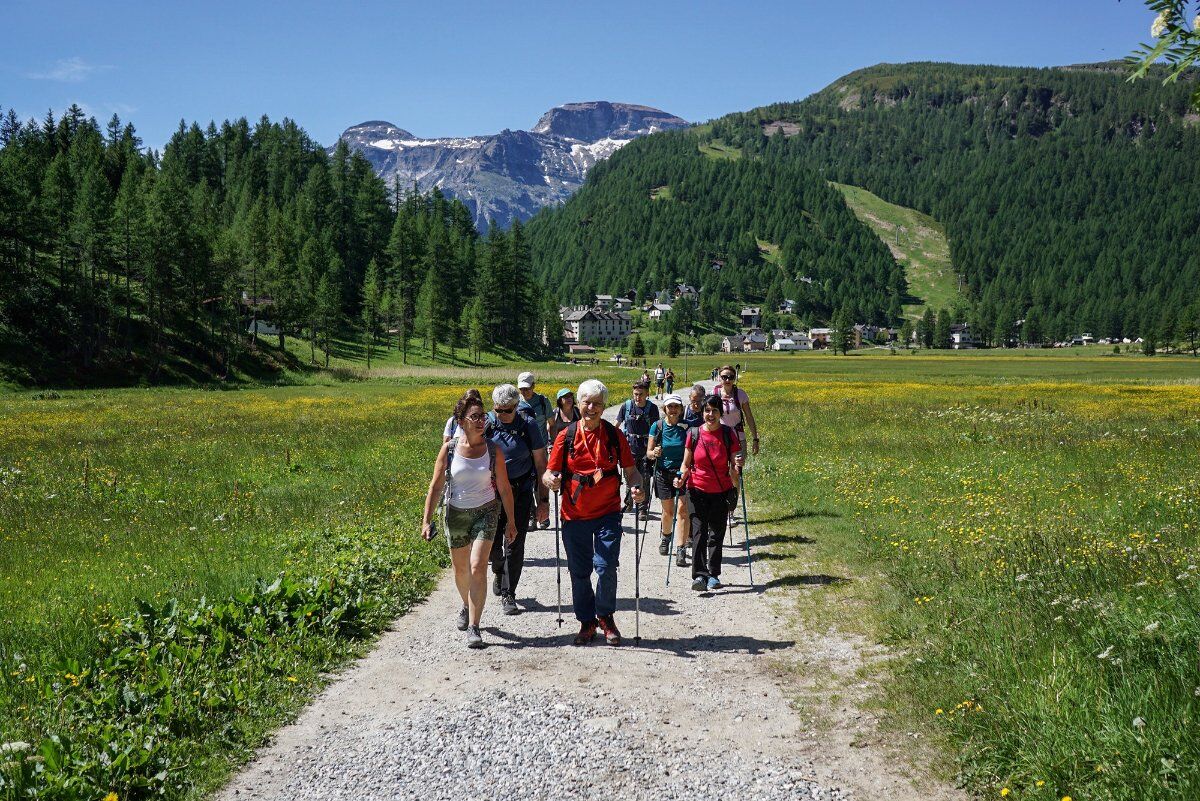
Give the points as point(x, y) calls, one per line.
point(69, 70)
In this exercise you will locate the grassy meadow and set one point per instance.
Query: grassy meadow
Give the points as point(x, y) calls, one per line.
point(179, 568)
point(1031, 528)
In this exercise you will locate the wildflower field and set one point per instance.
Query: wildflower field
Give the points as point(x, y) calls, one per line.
point(178, 567)
point(1030, 530)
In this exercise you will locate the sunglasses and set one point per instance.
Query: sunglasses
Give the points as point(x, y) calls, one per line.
point(509, 410)
point(727, 376)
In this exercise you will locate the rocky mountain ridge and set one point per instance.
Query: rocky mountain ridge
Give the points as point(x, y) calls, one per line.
point(512, 174)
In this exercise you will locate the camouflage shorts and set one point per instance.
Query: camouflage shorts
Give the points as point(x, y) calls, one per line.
point(463, 526)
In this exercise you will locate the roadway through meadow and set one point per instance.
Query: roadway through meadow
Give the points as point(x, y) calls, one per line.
point(702, 708)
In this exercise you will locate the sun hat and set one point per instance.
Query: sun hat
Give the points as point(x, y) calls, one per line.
point(525, 381)
point(667, 401)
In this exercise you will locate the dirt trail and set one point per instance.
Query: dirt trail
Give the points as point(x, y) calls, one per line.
point(706, 701)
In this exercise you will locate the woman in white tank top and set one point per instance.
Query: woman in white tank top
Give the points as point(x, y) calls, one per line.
point(475, 484)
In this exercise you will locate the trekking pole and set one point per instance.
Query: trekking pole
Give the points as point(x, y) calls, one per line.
point(558, 561)
point(671, 550)
point(637, 578)
point(746, 522)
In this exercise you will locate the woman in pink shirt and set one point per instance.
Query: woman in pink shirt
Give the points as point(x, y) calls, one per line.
point(712, 458)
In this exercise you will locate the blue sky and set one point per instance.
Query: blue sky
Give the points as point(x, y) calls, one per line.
point(459, 68)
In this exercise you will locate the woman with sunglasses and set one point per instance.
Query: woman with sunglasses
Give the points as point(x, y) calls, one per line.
point(665, 447)
point(523, 445)
point(735, 407)
point(711, 463)
point(472, 484)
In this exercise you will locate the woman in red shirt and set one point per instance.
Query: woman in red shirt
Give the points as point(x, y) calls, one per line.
point(586, 463)
point(712, 458)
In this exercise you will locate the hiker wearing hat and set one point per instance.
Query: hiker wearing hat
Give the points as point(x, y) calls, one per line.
point(523, 445)
point(535, 405)
point(635, 417)
point(585, 464)
point(565, 414)
point(665, 447)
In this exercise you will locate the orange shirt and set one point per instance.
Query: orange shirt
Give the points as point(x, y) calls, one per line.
point(591, 452)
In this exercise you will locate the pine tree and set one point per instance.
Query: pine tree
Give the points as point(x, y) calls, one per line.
point(925, 328)
point(636, 349)
point(371, 297)
point(941, 331)
point(673, 345)
point(843, 328)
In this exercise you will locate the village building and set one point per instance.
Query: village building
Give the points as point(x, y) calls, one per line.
point(961, 337)
point(658, 311)
point(820, 337)
point(754, 340)
point(592, 325)
point(686, 291)
point(751, 317)
point(732, 343)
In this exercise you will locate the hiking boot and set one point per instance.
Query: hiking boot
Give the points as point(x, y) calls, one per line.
point(474, 638)
point(714, 583)
point(508, 604)
point(544, 524)
point(462, 619)
point(664, 547)
point(586, 632)
point(681, 557)
point(497, 584)
point(700, 584)
point(609, 627)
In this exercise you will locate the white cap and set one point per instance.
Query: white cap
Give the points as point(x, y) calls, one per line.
point(667, 401)
point(525, 381)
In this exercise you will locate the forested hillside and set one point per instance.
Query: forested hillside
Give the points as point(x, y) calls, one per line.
point(1068, 195)
point(660, 210)
point(118, 264)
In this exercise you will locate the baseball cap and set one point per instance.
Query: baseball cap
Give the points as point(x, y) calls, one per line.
point(525, 380)
point(562, 393)
point(667, 401)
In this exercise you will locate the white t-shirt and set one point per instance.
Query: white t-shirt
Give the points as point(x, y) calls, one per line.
point(451, 427)
point(658, 374)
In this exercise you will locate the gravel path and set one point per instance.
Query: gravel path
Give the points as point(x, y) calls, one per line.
point(696, 711)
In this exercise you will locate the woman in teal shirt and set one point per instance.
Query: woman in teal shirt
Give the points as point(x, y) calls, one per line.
point(665, 446)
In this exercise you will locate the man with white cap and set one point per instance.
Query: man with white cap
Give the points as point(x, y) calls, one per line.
point(537, 406)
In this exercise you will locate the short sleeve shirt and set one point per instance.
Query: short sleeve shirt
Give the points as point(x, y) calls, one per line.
point(591, 452)
point(710, 463)
point(518, 458)
point(671, 437)
point(451, 427)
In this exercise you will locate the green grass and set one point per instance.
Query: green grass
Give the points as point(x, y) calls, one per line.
point(917, 241)
point(1023, 533)
point(121, 509)
point(660, 193)
point(717, 149)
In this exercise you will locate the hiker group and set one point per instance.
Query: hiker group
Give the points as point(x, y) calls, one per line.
point(496, 471)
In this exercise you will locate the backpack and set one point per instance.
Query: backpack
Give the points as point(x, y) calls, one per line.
point(737, 404)
point(726, 434)
point(491, 450)
point(614, 453)
point(522, 431)
point(643, 415)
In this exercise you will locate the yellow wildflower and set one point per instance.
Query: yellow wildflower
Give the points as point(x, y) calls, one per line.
point(110, 797)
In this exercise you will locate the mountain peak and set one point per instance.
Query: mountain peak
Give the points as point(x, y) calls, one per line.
point(594, 120)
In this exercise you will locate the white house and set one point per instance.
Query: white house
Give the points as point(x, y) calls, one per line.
point(659, 310)
point(582, 324)
point(801, 342)
point(961, 337)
